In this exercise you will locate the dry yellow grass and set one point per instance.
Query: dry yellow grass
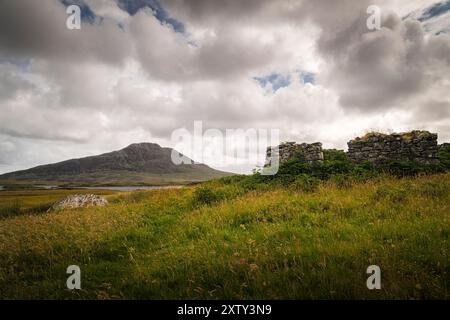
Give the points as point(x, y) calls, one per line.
point(269, 243)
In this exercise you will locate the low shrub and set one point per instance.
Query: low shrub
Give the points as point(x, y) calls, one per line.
point(10, 209)
point(305, 183)
point(444, 156)
point(336, 168)
point(391, 193)
point(255, 181)
point(334, 154)
point(435, 189)
point(342, 181)
point(231, 179)
point(40, 208)
point(409, 168)
point(206, 196)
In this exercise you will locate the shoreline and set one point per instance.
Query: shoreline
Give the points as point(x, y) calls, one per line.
point(113, 188)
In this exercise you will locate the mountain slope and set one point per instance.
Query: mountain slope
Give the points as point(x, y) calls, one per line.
point(141, 163)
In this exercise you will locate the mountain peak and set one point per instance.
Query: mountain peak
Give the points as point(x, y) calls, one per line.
point(143, 145)
point(137, 163)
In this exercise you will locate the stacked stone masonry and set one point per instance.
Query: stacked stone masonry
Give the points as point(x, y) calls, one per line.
point(419, 146)
point(291, 150)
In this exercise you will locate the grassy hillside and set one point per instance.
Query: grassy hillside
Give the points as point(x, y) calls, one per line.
point(239, 238)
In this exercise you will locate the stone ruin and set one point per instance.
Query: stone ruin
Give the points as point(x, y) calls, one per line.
point(290, 150)
point(418, 146)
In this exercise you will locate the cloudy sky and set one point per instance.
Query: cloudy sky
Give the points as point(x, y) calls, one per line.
point(138, 70)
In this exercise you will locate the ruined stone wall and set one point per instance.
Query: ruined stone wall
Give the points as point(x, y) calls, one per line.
point(419, 146)
point(308, 152)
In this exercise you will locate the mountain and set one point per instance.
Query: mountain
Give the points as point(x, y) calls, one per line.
point(137, 164)
point(435, 18)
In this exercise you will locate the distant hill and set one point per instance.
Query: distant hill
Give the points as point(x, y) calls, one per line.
point(137, 164)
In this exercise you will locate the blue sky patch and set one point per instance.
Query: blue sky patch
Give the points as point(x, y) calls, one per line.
point(22, 64)
point(307, 77)
point(133, 6)
point(276, 80)
point(435, 10)
point(87, 15)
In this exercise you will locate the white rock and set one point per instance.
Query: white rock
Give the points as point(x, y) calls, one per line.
point(79, 200)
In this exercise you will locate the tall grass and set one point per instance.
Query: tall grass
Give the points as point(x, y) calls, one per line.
point(231, 239)
point(10, 209)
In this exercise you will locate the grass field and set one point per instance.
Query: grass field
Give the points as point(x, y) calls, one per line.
point(36, 201)
point(222, 240)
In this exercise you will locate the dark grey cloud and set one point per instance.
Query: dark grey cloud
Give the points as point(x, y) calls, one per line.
point(433, 111)
point(13, 82)
point(220, 54)
point(74, 93)
point(37, 29)
point(220, 12)
point(376, 70)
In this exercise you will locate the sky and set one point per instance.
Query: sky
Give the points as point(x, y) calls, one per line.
point(139, 70)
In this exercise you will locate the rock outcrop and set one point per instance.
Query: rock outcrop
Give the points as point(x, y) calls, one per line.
point(79, 200)
point(418, 146)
